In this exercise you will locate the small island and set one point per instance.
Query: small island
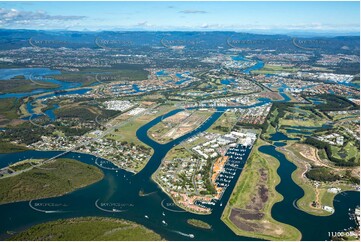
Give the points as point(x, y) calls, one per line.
point(87, 228)
point(199, 224)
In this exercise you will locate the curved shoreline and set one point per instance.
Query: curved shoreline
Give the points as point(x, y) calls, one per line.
point(142, 178)
point(322, 213)
point(286, 205)
point(64, 193)
point(278, 198)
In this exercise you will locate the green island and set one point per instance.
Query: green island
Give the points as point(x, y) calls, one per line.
point(52, 179)
point(18, 84)
point(88, 228)
point(199, 224)
point(87, 77)
point(248, 211)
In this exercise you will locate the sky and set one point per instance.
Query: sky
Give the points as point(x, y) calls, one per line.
point(237, 16)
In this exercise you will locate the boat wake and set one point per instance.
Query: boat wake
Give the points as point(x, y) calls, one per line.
point(184, 234)
point(295, 205)
point(45, 211)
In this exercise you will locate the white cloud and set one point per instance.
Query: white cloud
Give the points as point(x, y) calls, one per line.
point(190, 11)
point(14, 17)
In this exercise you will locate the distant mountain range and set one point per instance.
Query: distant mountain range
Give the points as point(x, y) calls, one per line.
point(10, 39)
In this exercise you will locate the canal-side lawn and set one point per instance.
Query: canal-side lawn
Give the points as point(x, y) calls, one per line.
point(248, 211)
point(88, 229)
point(224, 124)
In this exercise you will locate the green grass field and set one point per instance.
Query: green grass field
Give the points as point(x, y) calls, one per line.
point(224, 124)
point(245, 189)
point(56, 178)
point(88, 229)
point(273, 69)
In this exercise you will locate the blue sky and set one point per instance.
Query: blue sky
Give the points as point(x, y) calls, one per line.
point(239, 16)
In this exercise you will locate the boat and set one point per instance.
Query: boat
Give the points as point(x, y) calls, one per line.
point(146, 216)
point(164, 222)
point(163, 214)
point(221, 204)
point(191, 236)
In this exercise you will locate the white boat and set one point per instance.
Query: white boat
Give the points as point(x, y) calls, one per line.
point(163, 214)
point(146, 216)
point(164, 222)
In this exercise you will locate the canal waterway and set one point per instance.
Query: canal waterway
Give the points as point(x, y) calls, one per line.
point(138, 198)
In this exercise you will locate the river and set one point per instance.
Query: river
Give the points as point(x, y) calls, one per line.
point(118, 195)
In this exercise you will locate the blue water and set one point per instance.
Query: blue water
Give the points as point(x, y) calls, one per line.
point(38, 74)
point(298, 131)
point(182, 81)
point(257, 66)
point(279, 136)
point(136, 88)
point(123, 188)
point(286, 98)
point(316, 101)
point(161, 73)
point(50, 112)
point(227, 81)
point(7, 74)
point(311, 227)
